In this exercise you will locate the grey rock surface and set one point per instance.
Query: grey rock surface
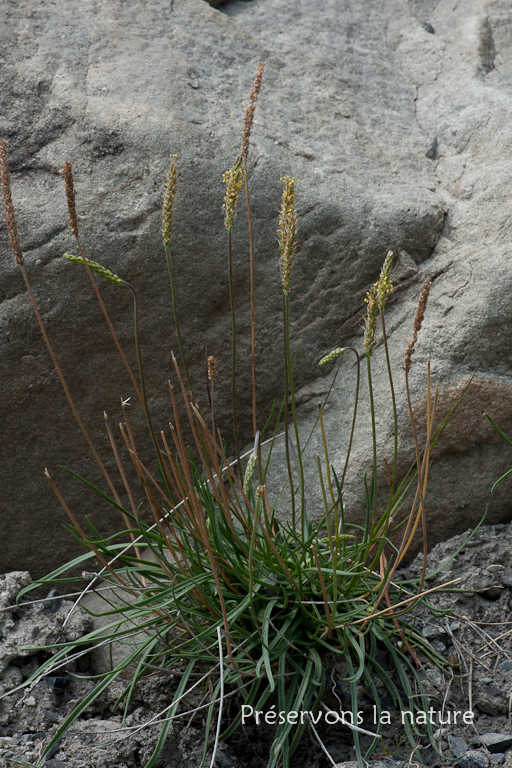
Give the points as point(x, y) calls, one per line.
point(353, 95)
point(461, 95)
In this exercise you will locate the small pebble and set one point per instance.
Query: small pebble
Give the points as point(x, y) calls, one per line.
point(458, 746)
point(52, 603)
point(431, 631)
point(435, 677)
point(432, 149)
point(30, 702)
point(427, 26)
point(506, 665)
point(473, 759)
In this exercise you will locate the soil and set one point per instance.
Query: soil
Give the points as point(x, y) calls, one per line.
point(474, 696)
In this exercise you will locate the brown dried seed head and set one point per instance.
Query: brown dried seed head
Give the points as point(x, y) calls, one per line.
point(418, 321)
point(70, 197)
point(10, 219)
point(249, 114)
point(260, 491)
point(212, 375)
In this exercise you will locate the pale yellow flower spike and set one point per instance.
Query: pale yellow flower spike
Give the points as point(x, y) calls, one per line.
point(233, 179)
point(95, 267)
point(287, 232)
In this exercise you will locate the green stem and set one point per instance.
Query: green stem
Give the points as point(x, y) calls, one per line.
point(175, 312)
point(250, 560)
point(141, 373)
point(253, 322)
point(107, 318)
point(352, 430)
point(374, 441)
point(334, 552)
point(294, 415)
point(233, 356)
point(395, 420)
point(286, 427)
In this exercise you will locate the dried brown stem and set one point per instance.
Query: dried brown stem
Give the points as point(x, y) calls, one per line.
point(10, 218)
point(15, 245)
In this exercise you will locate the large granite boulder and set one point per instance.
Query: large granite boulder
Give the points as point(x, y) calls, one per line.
point(395, 117)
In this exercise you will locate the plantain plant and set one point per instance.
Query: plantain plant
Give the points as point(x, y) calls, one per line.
point(218, 587)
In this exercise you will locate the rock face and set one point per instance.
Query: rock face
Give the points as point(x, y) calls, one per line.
point(395, 117)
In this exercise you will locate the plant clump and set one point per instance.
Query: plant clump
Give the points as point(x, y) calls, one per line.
point(216, 588)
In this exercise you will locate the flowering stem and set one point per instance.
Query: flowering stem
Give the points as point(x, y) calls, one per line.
point(233, 358)
point(374, 441)
point(294, 415)
point(175, 312)
point(286, 427)
point(251, 278)
point(395, 421)
point(141, 371)
point(353, 428)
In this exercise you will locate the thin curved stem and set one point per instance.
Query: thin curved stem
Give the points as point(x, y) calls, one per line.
point(64, 385)
point(253, 321)
point(286, 418)
point(141, 373)
point(233, 353)
point(175, 313)
point(374, 441)
point(352, 430)
point(395, 420)
point(109, 322)
point(294, 414)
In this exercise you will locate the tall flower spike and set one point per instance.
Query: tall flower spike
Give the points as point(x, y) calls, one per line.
point(418, 322)
point(95, 267)
point(376, 299)
point(251, 466)
point(233, 179)
point(332, 356)
point(70, 197)
point(249, 473)
point(249, 114)
point(287, 232)
point(168, 202)
point(384, 286)
point(10, 218)
point(370, 320)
